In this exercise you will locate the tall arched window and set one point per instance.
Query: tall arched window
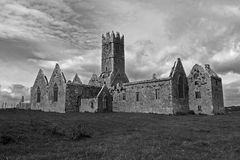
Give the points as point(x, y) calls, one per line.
point(55, 93)
point(38, 95)
point(104, 102)
point(180, 87)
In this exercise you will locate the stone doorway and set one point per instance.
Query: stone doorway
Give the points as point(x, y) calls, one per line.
point(79, 98)
point(105, 103)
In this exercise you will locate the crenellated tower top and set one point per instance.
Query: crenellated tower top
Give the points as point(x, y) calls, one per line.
point(112, 38)
point(113, 59)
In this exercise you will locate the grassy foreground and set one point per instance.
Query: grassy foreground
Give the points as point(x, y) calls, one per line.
point(38, 135)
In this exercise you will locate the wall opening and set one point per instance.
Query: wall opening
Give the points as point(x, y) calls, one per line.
point(157, 92)
point(79, 103)
point(199, 108)
point(124, 96)
point(92, 104)
point(196, 83)
point(55, 92)
point(105, 103)
point(180, 87)
point(137, 96)
point(197, 95)
point(195, 75)
point(38, 95)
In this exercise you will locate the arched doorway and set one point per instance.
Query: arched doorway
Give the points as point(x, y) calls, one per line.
point(105, 103)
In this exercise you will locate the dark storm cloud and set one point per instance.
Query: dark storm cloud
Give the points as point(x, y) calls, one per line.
point(223, 68)
point(9, 48)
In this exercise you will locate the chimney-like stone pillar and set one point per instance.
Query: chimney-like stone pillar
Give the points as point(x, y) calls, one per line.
point(207, 66)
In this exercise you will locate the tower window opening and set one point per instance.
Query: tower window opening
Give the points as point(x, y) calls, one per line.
point(137, 96)
point(199, 108)
point(198, 95)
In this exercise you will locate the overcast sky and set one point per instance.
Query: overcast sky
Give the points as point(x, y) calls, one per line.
point(38, 33)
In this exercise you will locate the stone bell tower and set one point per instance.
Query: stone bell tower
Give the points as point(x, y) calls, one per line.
point(113, 59)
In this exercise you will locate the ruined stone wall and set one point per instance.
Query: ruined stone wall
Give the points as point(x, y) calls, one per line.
point(89, 105)
point(118, 78)
point(79, 97)
point(56, 106)
point(217, 95)
point(59, 80)
point(179, 84)
point(107, 54)
point(113, 60)
point(104, 100)
point(119, 59)
point(200, 81)
point(148, 103)
point(41, 83)
point(96, 81)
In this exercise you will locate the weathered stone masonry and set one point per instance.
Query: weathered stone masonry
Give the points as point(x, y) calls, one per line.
point(179, 84)
point(153, 96)
point(111, 91)
point(205, 91)
point(39, 92)
point(49, 96)
point(113, 60)
point(85, 98)
point(56, 91)
point(160, 96)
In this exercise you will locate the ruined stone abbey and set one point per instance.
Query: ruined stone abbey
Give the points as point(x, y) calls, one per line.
point(111, 91)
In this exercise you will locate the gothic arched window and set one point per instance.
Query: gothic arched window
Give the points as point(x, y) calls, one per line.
point(55, 93)
point(38, 95)
point(180, 87)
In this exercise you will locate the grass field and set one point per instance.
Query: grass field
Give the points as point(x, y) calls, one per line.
point(38, 135)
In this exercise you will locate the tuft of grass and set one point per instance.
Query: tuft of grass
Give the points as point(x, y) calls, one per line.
point(80, 131)
point(54, 130)
point(6, 139)
point(3, 157)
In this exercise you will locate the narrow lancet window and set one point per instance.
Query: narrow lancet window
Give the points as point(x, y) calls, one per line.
point(124, 96)
point(157, 93)
point(55, 93)
point(38, 95)
point(137, 96)
point(180, 87)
